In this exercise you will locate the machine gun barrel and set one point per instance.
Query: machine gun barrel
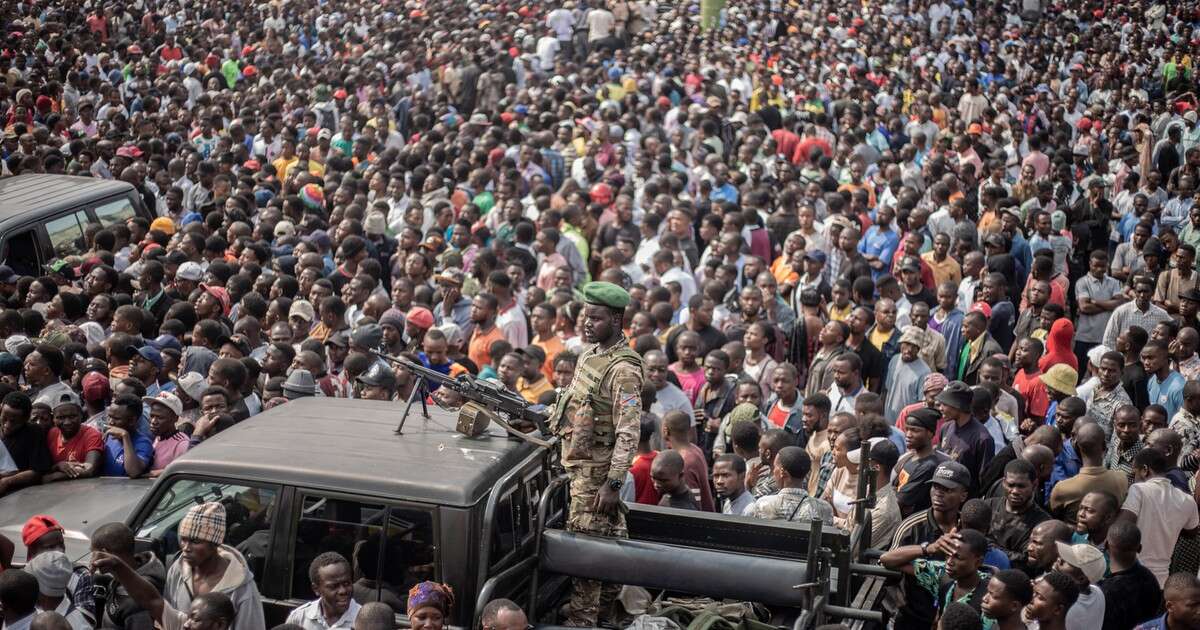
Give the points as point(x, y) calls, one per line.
point(490, 395)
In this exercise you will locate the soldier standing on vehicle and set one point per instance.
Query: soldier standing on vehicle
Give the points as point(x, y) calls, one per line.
point(598, 419)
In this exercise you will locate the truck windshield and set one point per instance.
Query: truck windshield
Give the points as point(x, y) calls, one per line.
point(249, 512)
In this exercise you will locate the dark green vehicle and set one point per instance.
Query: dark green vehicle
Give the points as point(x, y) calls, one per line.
point(483, 514)
point(43, 217)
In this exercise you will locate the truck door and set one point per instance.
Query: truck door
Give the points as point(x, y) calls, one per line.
point(390, 546)
point(250, 521)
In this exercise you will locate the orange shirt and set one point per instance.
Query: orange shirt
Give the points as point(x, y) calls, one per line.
point(783, 271)
point(479, 348)
point(553, 347)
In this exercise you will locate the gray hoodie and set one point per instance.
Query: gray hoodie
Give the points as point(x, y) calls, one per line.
point(237, 583)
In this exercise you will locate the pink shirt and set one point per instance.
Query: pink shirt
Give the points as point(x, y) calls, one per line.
point(550, 264)
point(166, 450)
point(1040, 162)
point(689, 382)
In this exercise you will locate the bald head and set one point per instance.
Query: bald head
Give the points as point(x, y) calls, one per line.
point(1053, 530)
point(1089, 441)
point(375, 616)
point(1047, 436)
point(49, 620)
point(1041, 457)
point(1166, 441)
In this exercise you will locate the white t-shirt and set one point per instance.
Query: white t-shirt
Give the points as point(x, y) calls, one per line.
point(562, 22)
point(547, 50)
point(1162, 511)
point(600, 24)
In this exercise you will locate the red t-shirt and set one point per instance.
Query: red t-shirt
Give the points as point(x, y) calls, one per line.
point(76, 448)
point(778, 415)
point(643, 486)
point(1037, 400)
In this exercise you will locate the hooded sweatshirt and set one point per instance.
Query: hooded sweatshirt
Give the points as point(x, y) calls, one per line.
point(237, 583)
point(1059, 346)
point(121, 612)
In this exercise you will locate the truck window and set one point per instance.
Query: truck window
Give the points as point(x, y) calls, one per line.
point(391, 548)
point(116, 211)
point(21, 253)
point(249, 513)
point(66, 234)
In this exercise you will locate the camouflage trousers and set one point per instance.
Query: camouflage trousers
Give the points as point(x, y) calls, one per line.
point(590, 597)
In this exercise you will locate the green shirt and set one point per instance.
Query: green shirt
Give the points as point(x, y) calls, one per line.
point(931, 575)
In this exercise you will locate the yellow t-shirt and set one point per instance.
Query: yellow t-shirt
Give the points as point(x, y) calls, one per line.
point(878, 338)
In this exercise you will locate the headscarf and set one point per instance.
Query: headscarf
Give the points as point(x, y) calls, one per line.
point(425, 594)
point(1059, 346)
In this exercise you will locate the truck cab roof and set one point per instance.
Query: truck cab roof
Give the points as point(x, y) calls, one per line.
point(33, 193)
point(340, 443)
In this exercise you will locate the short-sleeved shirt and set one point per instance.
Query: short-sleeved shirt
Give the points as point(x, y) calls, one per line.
point(168, 448)
point(970, 445)
point(912, 480)
point(1137, 590)
point(479, 350)
point(75, 449)
point(1162, 511)
point(931, 575)
point(1090, 328)
point(114, 454)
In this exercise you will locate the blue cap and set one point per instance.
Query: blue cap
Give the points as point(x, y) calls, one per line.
point(815, 255)
point(614, 73)
point(165, 341)
point(521, 109)
point(262, 197)
point(191, 217)
point(151, 354)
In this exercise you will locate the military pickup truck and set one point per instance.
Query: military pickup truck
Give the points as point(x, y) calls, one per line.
point(483, 514)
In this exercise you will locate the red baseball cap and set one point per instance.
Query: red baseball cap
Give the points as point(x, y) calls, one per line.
point(38, 526)
point(982, 307)
point(420, 317)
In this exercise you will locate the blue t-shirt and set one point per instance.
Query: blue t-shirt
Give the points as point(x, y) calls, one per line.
point(114, 454)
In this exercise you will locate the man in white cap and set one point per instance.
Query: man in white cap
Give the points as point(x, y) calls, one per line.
point(169, 441)
point(76, 448)
point(1084, 564)
point(53, 572)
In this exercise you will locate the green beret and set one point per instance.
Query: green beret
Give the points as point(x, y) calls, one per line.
point(605, 294)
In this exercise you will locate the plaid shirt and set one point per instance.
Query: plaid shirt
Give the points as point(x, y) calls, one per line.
point(1117, 459)
point(824, 473)
point(555, 165)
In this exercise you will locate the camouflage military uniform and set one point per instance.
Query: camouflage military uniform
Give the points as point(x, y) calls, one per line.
point(598, 419)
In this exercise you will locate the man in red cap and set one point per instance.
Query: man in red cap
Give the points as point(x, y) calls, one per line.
point(43, 533)
point(417, 321)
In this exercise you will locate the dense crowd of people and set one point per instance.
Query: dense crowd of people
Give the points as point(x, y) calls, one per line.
point(948, 247)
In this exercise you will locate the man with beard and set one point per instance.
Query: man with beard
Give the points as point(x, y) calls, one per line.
point(599, 420)
point(1015, 514)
